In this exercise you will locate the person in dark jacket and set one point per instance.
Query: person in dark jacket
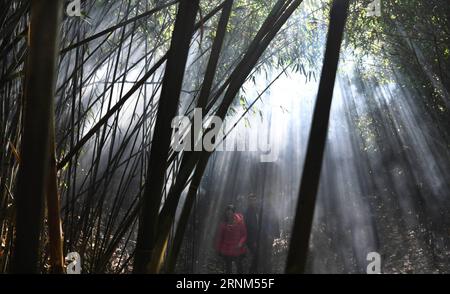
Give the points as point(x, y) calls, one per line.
point(231, 238)
point(262, 229)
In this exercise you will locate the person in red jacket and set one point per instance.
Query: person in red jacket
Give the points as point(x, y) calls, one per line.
point(231, 239)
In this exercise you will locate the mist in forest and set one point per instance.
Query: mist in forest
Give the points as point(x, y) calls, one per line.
point(117, 192)
point(367, 185)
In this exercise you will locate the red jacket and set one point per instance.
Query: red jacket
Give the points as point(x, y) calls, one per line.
point(231, 238)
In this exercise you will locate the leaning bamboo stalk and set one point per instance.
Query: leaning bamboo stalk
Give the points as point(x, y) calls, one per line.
point(119, 25)
point(184, 218)
point(193, 188)
point(262, 40)
point(168, 104)
point(201, 103)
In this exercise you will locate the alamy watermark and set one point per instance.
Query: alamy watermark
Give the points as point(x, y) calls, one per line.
point(74, 266)
point(215, 137)
point(74, 8)
point(374, 267)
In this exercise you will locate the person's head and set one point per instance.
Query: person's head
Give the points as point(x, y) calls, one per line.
point(252, 200)
point(229, 213)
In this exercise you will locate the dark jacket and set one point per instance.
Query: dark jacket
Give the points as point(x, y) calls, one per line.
point(267, 226)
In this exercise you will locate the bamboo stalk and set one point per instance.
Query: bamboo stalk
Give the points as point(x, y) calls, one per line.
point(299, 244)
point(168, 104)
point(38, 118)
point(53, 212)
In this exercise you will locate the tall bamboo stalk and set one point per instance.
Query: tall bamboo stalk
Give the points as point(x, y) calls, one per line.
point(53, 210)
point(298, 249)
point(38, 117)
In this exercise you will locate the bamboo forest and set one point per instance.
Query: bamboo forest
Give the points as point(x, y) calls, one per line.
point(225, 136)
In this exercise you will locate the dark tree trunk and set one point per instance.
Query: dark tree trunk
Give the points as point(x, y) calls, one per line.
point(298, 249)
point(38, 118)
